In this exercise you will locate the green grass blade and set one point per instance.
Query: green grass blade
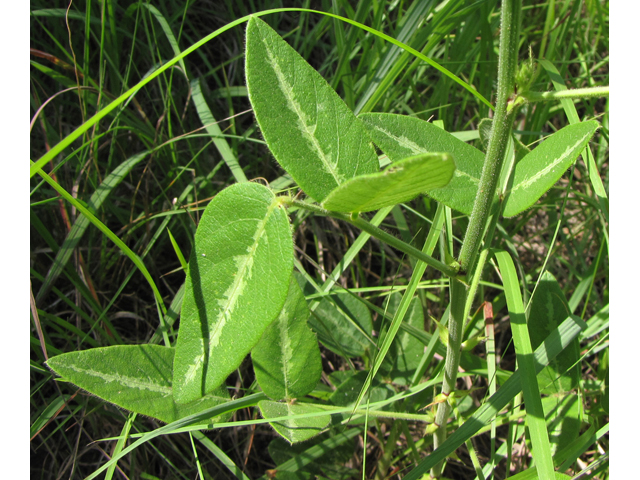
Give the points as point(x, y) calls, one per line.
point(391, 64)
point(168, 33)
point(524, 353)
point(220, 455)
point(416, 276)
point(122, 441)
point(551, 347)
point(82, 222)
point(213, 129)
point(219, 410)
point(112, 236)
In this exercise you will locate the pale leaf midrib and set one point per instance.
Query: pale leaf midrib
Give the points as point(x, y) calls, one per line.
point(232, 294)
point(309, 133)
point(131, 382)
point(540, 174)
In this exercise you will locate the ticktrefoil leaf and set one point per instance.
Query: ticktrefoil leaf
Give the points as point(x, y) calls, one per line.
point(400, 136)
point(295, 429)
point(307, 126)
point(237, 282)
point(540, 169)
point(342, 322)
point(399, 182)
point(286, 360)
point(135, 377)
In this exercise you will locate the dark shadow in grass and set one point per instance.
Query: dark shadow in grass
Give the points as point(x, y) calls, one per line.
point(201, 306)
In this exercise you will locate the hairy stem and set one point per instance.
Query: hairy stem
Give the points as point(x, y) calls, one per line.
point(482, 207)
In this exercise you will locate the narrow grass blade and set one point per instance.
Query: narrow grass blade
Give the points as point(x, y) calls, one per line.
point(168, 33)
point(399, 182)
point(403, 307)
point(112, 236)
point(524, 354)
point(552, 346)
point(237, 282)
point(176, 248)
point(394, 60)
point(48, 414)
point(82, 222)
point(122, 441)
point(220, 455)
point(196, 418)
point(213, 129)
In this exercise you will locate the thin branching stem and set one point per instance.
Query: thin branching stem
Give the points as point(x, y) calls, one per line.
point(498, 141)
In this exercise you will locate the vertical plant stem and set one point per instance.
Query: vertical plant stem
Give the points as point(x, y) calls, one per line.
point(498, 141)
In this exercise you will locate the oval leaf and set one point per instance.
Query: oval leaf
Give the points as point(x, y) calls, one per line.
point(400, 136)
point(135, 377)
point(341, 321)
point(399, 182)
point(236, 285)
point(308, 128)
point(295, 429)
point(286, 360)
point(539, 170)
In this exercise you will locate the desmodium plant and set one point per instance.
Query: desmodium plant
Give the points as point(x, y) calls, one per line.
point(245, 292)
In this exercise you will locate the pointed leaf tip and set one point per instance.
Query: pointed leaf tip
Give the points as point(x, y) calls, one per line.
point(309, 129)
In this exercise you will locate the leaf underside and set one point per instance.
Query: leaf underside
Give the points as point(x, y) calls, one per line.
point(236, 284)
point(399, 182)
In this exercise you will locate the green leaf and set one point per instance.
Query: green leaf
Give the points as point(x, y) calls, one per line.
point(236, 285)
point(342, 322)
point(400, 136)
point(563, 419)
point(295, 429)
point(549, 308)
point(308, 128)
point(286, 360)
point(135, 377)
point(349, 384)
point(539, 170)
point(399, 182)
